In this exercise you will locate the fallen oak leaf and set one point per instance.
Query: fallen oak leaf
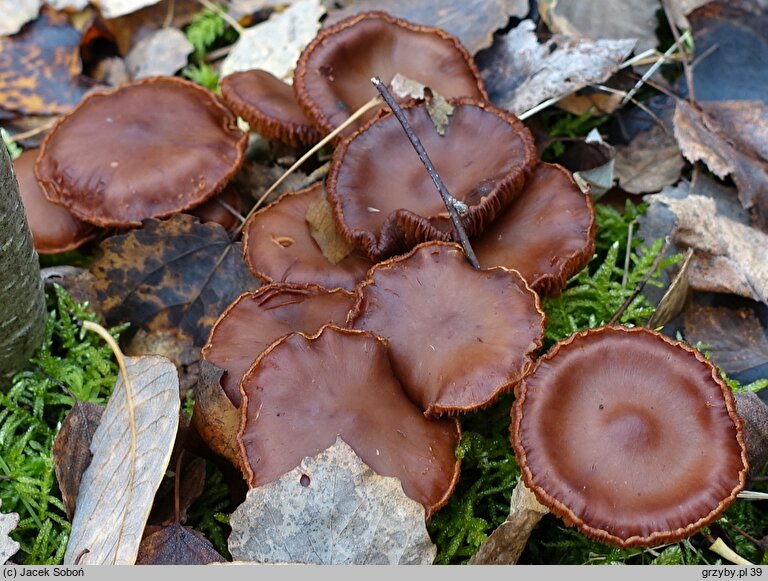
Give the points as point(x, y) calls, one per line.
point(8, 546)
point(175, 274)
point(131, 449)
point(177, 545)
point(332, 509)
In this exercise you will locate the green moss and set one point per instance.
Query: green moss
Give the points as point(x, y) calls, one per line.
point(70, 363)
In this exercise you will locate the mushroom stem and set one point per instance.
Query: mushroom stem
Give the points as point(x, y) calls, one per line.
point(720, 548)
point(450, 202)
point(506, 543)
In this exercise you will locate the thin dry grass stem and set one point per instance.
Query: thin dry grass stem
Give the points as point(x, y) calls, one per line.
point(653, 115)
point(687, 69)
point(650, 72)
point(231, 21)
point(231, 210)
point(32, 132)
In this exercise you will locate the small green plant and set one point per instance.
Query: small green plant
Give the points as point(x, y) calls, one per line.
point(203, 74)
point(13, 148)
point(207, 31)
point(69, 363)
point(562, 127)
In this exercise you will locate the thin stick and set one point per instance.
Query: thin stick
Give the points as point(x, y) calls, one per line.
point(641, 285)
point(649, 73)
point(687, 69)
point(630, 232)
point(448, 199)
point(169, 14)
point(231, 21)
point(351, 119)
point(33, 132)
point(541, 106)
point(653, 115)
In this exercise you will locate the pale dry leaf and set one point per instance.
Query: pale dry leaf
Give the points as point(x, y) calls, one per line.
point(275, 45)
point(8, 546)
point(472, 21)
point(438, 107)
point(520, 73)
point(119, 486)
point(331, 510)
point(729, 255)
point(601, 19)
point(16, 13)
point(115, 8)
point(323, 229)
point(680, 9)
point(651, 161)
point(595, 170)
point(162, 52)
point(731, 138)
point(74, 5)
point(674, 299)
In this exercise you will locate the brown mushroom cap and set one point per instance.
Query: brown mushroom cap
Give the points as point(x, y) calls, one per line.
point(256, 319)
point(267, 104)
point(386, 202)
point(458, 337)
point(547, 233)
point(146, 150)
point(214, 209)
point(333, 75)
point(630, 436)
point(279, 247)
point(305, 391)
point(54, 229)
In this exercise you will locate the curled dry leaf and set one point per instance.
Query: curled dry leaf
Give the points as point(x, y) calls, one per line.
point(8, 546)
point(731, 137)
point(519, 73)
point(174, 274)
point(131, 449)
point(674, 299)
point(475, 32)
point(40, 67)
point(597, 19)
point(16, 13)
point(331, 510)
point(651, 161)
point(72, 450)
point(274, 45)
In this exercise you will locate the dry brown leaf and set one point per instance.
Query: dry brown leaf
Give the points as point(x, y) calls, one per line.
point(331, 510)
point(733, 337)
point(8, 546)
point(16, 13)
point(472, 21)
point(177, 545)
point(651, 161)
point(72, 450)
point(675, 297)
point(324, 231)
point(175, 274)
point(754, 413)
point(40, 66)
point(601, 19)
point(729, 254)
point(131, 449)
point(274, 45)
point(731, 137)
point(163, 52)
point(520, 73)
point(129, 29)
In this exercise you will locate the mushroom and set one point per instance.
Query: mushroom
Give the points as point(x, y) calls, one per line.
point(305, 391)
point(54, 229)
point(268, 106)
point(332, 76)
point(278, 246)
point(150, 149)
point(223, 208)
point(386, 203)
point(629, 436)
point(547, 233)
point(458, 337)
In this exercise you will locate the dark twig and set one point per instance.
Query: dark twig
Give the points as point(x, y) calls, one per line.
point(687, 68)
point(641, 285)
point(449, 201)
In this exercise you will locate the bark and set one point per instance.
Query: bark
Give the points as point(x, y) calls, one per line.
point(22, 299)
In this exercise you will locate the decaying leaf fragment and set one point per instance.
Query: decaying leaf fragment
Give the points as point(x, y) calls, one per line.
point(438, 107)
point(651, 161)
point(40, 66)
point(131, 449)
point(16, 13)
point(177, 545)
point(274, 45)
point(520, 73)
point(674, 299)
point(162, 52)
point(331, 510)
point(731, 137)
point(754, 414)
point(173, 274)
point(324, 231)
point(8, 546)
point(72, 450)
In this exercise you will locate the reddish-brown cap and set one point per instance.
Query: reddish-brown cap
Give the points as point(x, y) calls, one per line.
point(386, 202)
point(256, 319)
point(333, 75)
point(54, 229)
point(278, 246)
point(303, 392)
point(151, 149)
point(629, 436)
point(547, 233)
point(458, 337)
point(223, 208)
point(267, 104)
